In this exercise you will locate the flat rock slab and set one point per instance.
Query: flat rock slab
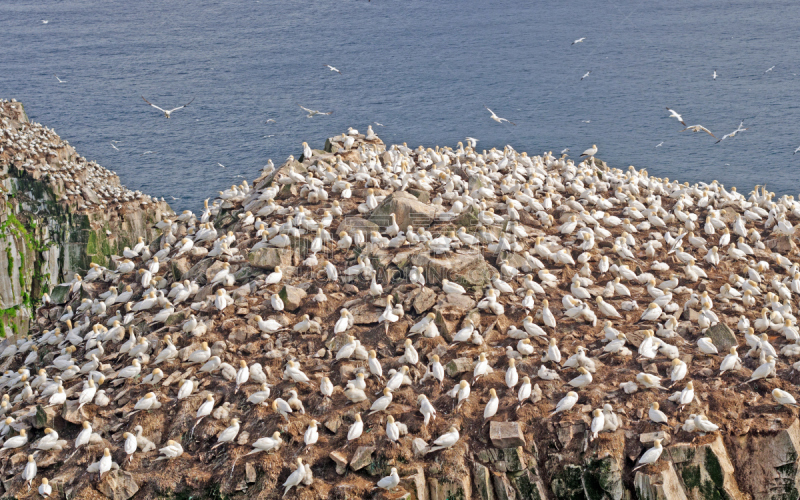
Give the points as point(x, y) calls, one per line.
point(118, 485)
point(407, 209)
point(506, 434)
point(352, 224)
point(362, 457)
point(722, 337)
point(269, 258)
point(466, 267)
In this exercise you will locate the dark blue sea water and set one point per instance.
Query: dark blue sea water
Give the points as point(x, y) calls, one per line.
point(424, 69)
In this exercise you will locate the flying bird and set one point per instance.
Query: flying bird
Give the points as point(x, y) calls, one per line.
point(579, 40)
point(564, 151)
point(313, 112)
point(732, 134)
point(472, 141)
point(714, 76)
point(221, 165)
point(168, 112)
point(660, 144)
point(770, 69)
point(584, 76)
point(332, 68)
point(699, 128)
point(271, 120)
point(45, 21)
point(379, 124)
point(796, 150)
point(115, 147)
point(59, 79)
point(674, 114)
point(497, 118)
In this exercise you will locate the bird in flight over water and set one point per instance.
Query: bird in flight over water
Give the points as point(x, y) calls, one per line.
point(770, 69)
point(714, 76)
point(497, 118)
point(59, 79)
point(699, 128)
point(168, 112)
point(332, 68)
point(732, 134)
point(313, 112)
point(579, 40)
point(587, 74)
point(674, 114)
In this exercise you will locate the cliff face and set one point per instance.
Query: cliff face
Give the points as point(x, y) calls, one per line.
point(59, 214)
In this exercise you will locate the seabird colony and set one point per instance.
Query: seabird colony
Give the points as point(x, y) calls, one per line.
point(407, 299)
point(45, 157)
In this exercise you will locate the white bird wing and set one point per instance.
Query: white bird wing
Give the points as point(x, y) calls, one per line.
point(179, 107)
point(310, 111)
point(150, 103)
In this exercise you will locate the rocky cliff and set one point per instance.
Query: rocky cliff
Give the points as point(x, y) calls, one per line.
point(59, 213)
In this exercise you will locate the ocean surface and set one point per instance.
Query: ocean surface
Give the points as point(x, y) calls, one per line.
point(423, 69)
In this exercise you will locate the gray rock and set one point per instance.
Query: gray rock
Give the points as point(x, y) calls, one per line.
point(352, 224)
point(419, 446)
point(506, 434)
point(198, 271)
point(414, 482)
point(710, 468)
point(423, 300)
point(466, 267)
point(483, 482)
point(511, 460)
point(340, 460)
point(650, 437)
point(407, 209)
point(118, 485)
point(722, 337)
point(292, 297)
point(527, 485)
point(662, 485)
point(179, 267)
point(458, 366)
point(447, 488)
point(60, 294)
point(333, 423)
point(502, 487)
point(269, 258)
point(250, 473)
point(365, 314)
point(362, 457)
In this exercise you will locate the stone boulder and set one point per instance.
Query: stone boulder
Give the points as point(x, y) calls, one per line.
point(352, 224)
point(292, 297)
point(466, 267)
point(118, 485)
point(506, 434)
point(269, 258)
point(722, 337)
point(407, 209)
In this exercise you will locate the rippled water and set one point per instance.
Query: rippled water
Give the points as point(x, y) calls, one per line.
point(423, 69)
